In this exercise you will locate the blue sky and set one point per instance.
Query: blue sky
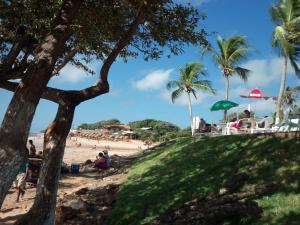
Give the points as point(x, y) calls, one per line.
point(138, 87)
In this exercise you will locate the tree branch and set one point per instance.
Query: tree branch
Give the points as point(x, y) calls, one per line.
point(51, 94)
point(12, 74)
point(102, 85)
point(16, 48)
point(67, 58)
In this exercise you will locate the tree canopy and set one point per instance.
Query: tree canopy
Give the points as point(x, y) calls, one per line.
point(96, 29)
point(159, 130)
point(99, 125)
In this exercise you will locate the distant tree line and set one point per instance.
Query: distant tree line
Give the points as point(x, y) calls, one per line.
point(157, 130)
point(99, 125)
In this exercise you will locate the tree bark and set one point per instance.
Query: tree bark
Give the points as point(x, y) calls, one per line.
point(281, 90)
point(190, 113)
point(43, 209)
point(46, 216)
point(17, 120)
point(14, 52)
point(227, 94)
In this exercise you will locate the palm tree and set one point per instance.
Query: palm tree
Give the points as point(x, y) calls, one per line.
point(231, 52)
point(289, 100)
point(286, 14)
point(190, 82)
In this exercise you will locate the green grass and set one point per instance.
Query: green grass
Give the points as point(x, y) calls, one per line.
point(185, 169)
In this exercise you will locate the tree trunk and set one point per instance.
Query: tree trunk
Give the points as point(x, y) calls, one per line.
point(43, 209)
point(281, 90)
point(191, 113)
point(17, 120)
point(227, 95)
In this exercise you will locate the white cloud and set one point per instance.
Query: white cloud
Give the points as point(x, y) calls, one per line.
point(263, 72)
point(237, 91)
point(261, 107)
point(71, 74)
point(154, 80)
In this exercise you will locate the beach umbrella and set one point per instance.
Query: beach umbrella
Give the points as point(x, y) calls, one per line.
point(256, 93)
point(223, 105)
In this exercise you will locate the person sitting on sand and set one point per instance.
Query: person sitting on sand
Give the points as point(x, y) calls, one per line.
point(100, 162)
point(32, 150)
point(107, 158)
point(20, 181)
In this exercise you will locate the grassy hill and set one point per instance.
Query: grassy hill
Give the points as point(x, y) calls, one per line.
point(184, 169)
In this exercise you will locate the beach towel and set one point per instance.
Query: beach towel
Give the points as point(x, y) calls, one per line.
point(237, 124)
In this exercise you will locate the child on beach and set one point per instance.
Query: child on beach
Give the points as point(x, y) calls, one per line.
point(20, 181)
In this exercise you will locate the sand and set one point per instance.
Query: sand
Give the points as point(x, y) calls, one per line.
point(77, 150)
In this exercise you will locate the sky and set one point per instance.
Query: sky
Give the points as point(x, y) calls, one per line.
point(138, 88)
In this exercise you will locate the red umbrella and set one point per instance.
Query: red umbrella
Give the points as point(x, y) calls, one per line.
point(257, 93)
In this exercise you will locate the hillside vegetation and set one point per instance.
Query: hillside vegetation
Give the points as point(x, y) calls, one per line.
point(185, 169)
point(156, 130)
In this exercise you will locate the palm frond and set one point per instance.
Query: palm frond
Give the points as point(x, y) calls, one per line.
point(296, 89)
point(243, 73)
point(293, 60)
point(276, 14)
point(207, 48)
point(232, 51)
point(174, 84)
point(222, 46)
point(238, 55)
point(194, 93)
point(177, 93)
point(204, 85)
point(189, 79)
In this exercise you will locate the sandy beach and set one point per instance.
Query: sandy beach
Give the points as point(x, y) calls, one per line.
point(77, 150)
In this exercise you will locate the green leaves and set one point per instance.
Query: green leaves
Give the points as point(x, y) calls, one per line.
point(286, 34)
point(190, 81)
point(290, 96)
point(177, 93)
point(231, 52)
point(99, 25)
point(242, 73)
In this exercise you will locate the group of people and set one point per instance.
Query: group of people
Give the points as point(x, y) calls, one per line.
point(246, 121)
point(243, 122)
point(102, 160)
point(205, 127)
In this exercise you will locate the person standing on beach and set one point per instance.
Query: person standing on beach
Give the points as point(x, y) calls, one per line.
point(20, 181)
point(32, 149)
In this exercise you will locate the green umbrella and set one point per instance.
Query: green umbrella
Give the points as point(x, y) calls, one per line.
point(223, 105)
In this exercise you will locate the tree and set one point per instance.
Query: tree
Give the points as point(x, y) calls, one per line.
point(157, 130)
point(190, 82)
point(133, 27)
point(99, 125)
point(289, 100)
point(286, 15)
point(17, 120)
point(231, 52)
